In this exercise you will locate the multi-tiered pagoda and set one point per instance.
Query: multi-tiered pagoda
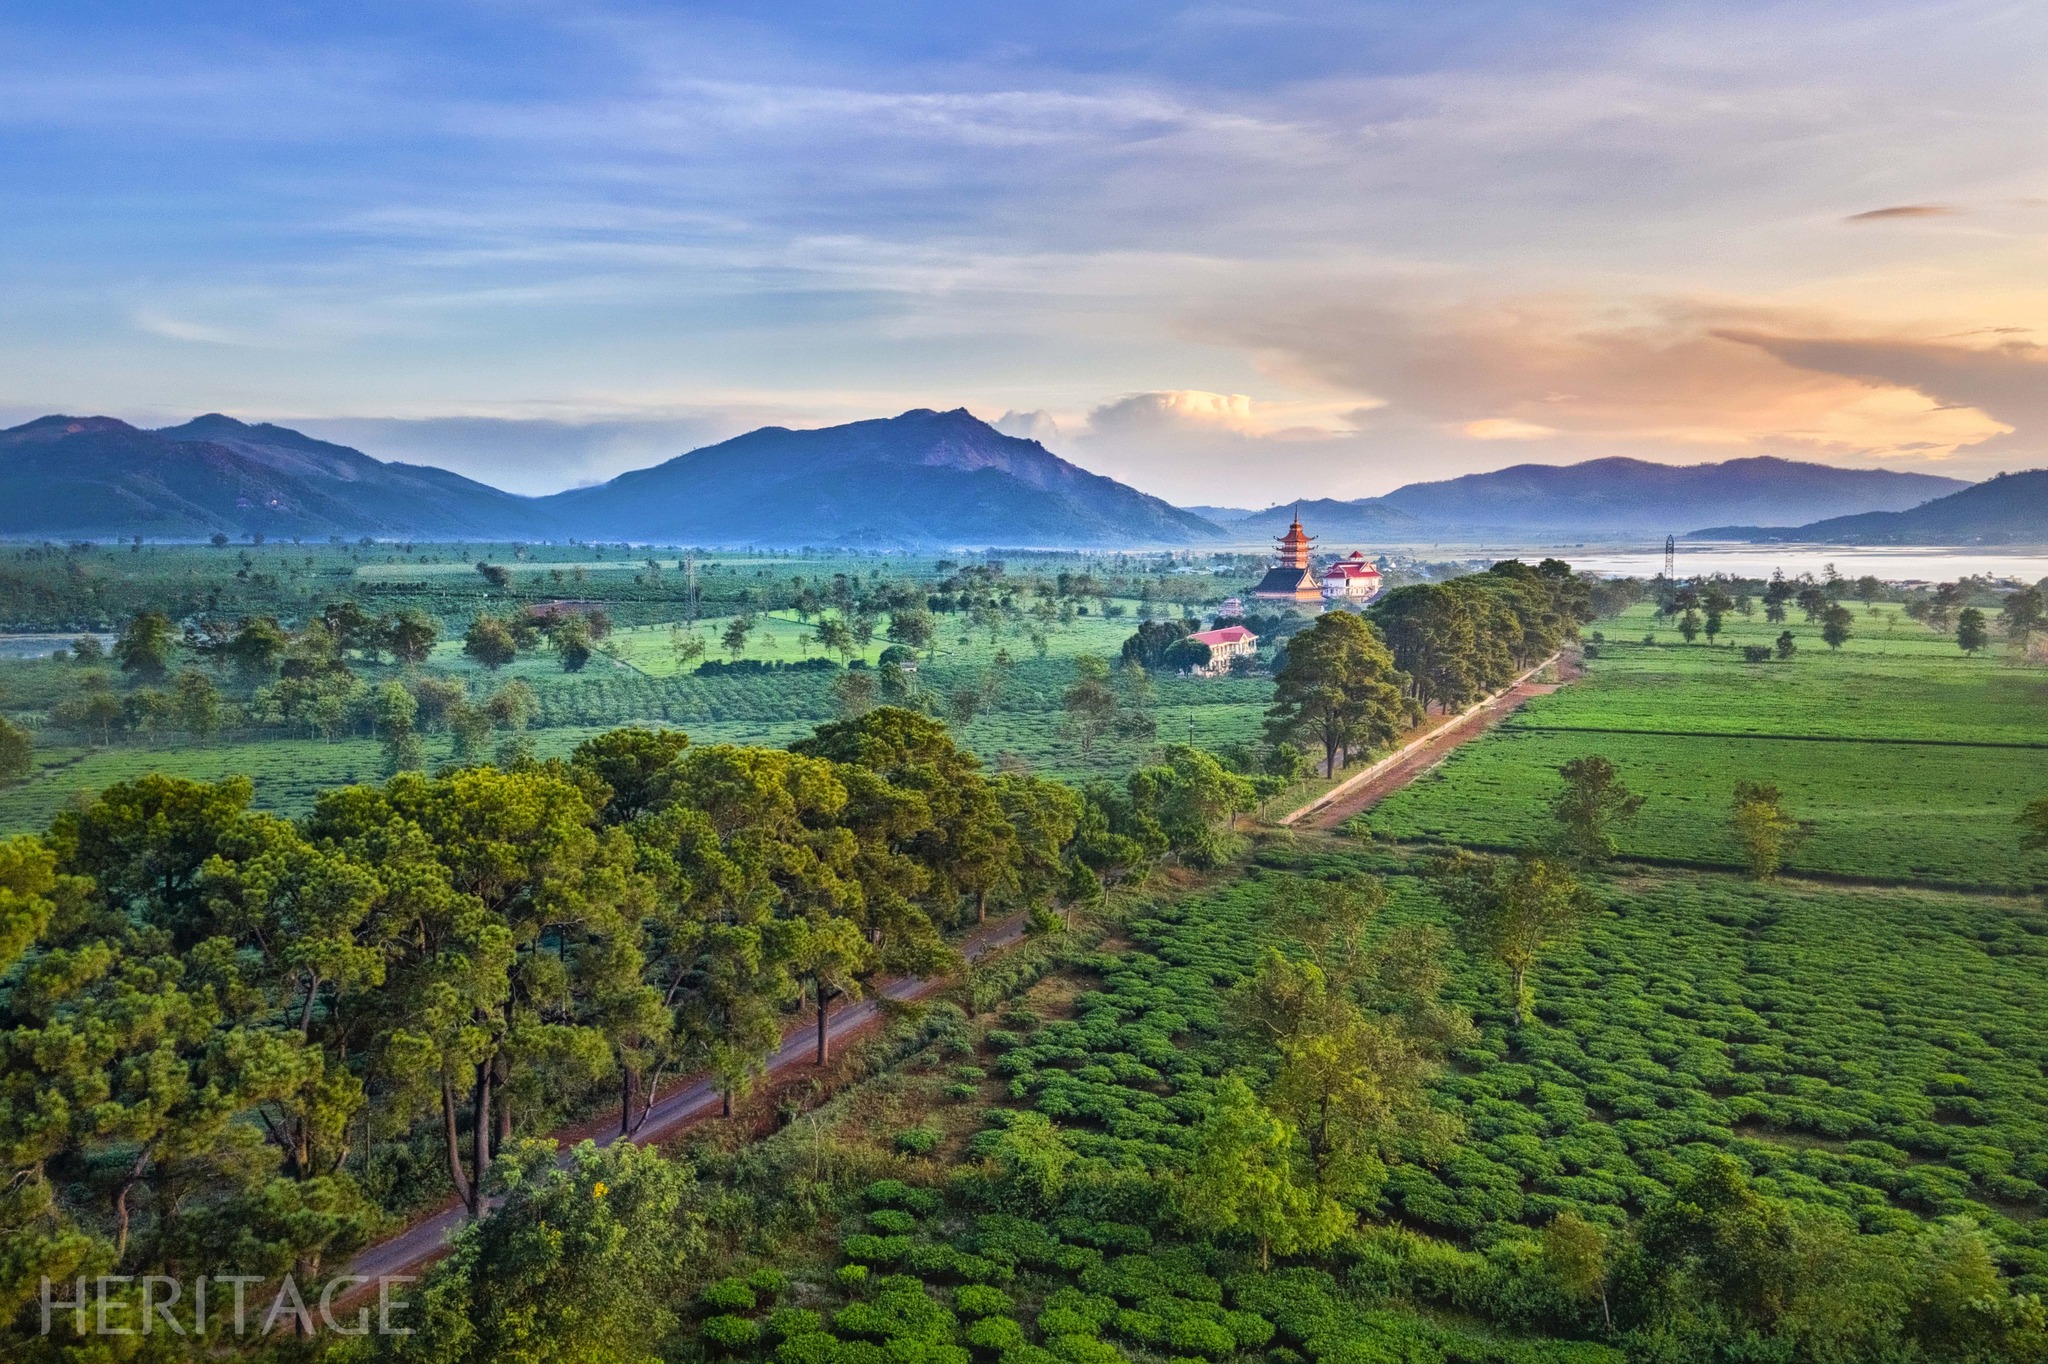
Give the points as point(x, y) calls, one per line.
point(1290, 578)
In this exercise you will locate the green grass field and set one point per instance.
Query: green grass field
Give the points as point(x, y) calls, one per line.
point(1962, 751)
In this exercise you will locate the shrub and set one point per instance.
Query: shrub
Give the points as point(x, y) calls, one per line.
point(731, 1333)
point(787, 1323)
point(852, 1277)
point(812, 1347)
point(961, 1092)
point(1249, 1329)
point(875, 1250)
point(892, 1220)
point(886, 1193)
point(1193, 1335)
point(995, 1333)
point(917, 1141)
point(770, 1284)
point(1094, 1309)
point(1084, 1349)
point(979, 1300)
point(729, 1295)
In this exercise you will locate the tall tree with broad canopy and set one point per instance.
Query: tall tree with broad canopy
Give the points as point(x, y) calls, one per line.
point(562, 902)
point(581, 1263)
point(1512, 910)
point(962, 840)
point(1339, 688)
point(1593, 801)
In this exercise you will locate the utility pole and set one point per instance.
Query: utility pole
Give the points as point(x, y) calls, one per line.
point(690, 568)
point(1670, 558)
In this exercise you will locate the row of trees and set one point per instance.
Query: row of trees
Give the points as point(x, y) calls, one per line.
point(1352, 682)
point(210, 1013)
point(1456, 641)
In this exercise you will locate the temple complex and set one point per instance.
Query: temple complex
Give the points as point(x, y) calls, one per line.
point(1290, 578)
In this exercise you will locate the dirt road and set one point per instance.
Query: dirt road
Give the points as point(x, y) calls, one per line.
point(689, 1101)
point(1419, 755)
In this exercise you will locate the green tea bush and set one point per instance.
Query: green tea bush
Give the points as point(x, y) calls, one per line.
point(731, 1333)
point(979, 1300)
point(729, 1295)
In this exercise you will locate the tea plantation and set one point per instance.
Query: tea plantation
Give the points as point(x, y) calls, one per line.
point(1905, 759)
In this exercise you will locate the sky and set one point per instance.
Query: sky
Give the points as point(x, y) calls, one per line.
point(1234, 254)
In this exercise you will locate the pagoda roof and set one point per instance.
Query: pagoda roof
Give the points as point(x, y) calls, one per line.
point(1286, 582)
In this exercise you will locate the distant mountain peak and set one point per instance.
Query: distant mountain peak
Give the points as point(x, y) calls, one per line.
point(922, 477)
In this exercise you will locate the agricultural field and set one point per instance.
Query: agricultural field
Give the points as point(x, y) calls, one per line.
point(1905, 759)
point(1015, 664)
point(1874, 1057)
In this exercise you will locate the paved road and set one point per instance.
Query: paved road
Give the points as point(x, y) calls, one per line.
point(689, 1101)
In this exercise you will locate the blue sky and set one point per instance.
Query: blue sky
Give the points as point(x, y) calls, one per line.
point(1230, 253)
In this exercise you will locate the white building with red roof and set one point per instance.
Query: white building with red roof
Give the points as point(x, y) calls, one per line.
point(1351, 581)
point(1225, 645)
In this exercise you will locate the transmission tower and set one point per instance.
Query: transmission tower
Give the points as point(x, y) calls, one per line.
point(1670, 558)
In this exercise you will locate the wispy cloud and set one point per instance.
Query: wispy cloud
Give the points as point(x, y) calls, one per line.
point(1902, 211)
point(1416, 243)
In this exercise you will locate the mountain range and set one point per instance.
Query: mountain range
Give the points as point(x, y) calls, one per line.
point(2010, 509)
point(920, 479)
point(1606, 497)
point(95, 476)
point(923, 479)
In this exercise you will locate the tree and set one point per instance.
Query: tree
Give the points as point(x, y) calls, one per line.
point(912, 627)
point(411, 636)
point(1836, 624)
point(1942, 606)
point(1512, 910)
point(1971, 632)
point(1762, 826)
point(571, 638)
point(1734, 1247)
point(686, 647)
point(1192, 798)
point(490, 642)
point(1689, 626)
point(829, 955)
point(1242, 1180)
point(256, 646)
point(1575, 1252)
point(937, 809)
point(627, 773)
point(1090, 703)
point(1594, 799)
point(834, 636)
point(545, 907)
point(734, 640)
point(1786, 645)
point(17, 757)
point(2023, 616)
point(144, 647)
point(87, 651)
point(854, 692)
point(196, 705)
point(1339, 688)
point(1152, 640)
point(581, 1263)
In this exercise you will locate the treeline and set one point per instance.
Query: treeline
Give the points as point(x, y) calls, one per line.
point(1458, 640)
point(232, 1041)
point(1350, 683)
